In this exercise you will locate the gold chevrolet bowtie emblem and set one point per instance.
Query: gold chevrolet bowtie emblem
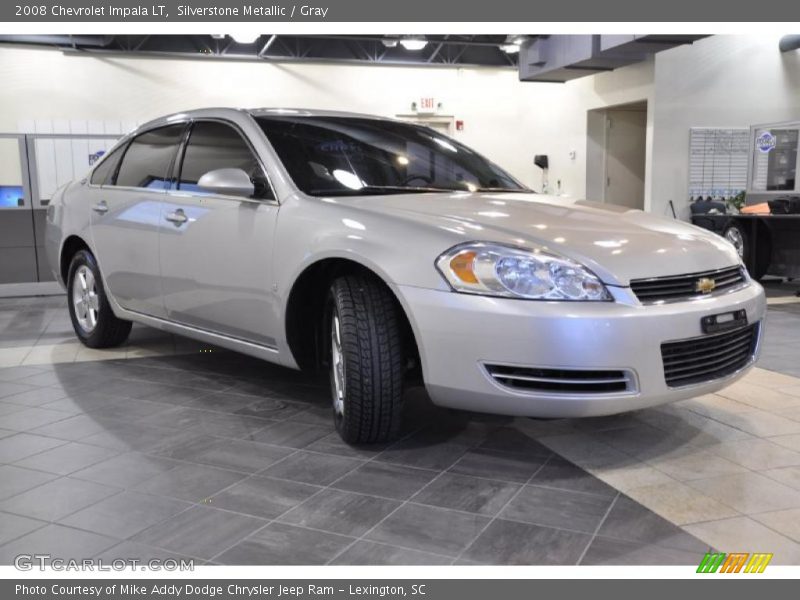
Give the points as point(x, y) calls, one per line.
point(704, 285)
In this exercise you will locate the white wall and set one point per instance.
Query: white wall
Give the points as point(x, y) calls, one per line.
point(561, 120)
point(504, 119)
point(10, 167)
point(722, 81)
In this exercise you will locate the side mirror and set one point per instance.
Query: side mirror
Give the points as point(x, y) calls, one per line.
point(228, 182)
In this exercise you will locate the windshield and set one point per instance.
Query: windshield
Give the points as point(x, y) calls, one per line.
point(361, 156)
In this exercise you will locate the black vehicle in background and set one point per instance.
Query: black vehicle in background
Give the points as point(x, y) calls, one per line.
point(767, 233)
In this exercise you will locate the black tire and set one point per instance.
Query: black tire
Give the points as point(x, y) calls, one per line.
point(759, 264)
point(108, 331)
point(372, 357)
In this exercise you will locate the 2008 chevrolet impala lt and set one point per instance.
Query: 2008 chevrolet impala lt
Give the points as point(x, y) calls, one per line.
point(379, 249)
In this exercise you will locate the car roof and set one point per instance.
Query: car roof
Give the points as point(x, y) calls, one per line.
point(222, 112)
point(308, 112)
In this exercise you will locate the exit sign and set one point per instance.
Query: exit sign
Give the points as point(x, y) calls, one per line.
point(426, 104)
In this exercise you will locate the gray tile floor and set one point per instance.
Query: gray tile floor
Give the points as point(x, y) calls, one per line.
point(229, 460)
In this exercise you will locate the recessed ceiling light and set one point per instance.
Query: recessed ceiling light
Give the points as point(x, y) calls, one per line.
point(513, 43)
point(245, 38)
point(413, 43)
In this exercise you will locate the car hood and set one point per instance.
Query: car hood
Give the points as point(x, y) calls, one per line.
point(618, 244)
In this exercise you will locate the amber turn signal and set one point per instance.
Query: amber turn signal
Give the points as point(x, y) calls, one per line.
point(462, 265)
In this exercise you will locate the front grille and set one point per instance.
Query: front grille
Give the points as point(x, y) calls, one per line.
point(709, 357)
point(684, 287)
point(567, 381)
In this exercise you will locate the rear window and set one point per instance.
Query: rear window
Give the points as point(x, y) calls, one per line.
point(149, 156)
point(105, 170)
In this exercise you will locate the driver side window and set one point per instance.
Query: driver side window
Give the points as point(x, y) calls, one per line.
point(213, 145)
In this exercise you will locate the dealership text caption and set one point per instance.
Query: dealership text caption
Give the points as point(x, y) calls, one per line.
point(212, 590)
point(163, 11)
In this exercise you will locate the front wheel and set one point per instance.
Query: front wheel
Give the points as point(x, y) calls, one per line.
point(365, 360)
point(94, 322)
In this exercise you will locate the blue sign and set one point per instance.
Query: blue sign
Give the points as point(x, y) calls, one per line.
point(765, 142)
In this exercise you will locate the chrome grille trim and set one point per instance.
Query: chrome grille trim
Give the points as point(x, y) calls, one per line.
point(677, 288)
point(562, 381)
point(709, 357)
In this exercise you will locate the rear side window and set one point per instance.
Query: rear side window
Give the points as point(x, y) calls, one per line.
point(147, 161)
point(214, 145)
point(105, 170)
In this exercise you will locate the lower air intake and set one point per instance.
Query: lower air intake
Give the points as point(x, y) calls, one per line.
point(710, 357)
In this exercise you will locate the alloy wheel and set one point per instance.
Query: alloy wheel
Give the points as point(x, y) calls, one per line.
point(85, 300)
point(337, 365)
point(734, 236)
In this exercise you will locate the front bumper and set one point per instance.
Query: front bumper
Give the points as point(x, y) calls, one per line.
point(458, 333)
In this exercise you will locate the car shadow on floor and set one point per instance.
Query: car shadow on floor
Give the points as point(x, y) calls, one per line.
point(454, 487)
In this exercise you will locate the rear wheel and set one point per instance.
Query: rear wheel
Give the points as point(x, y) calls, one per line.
point(365, 360)
point(94, 322)
point(756, 257)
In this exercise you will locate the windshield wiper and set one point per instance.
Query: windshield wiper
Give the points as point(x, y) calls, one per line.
point(369, 190)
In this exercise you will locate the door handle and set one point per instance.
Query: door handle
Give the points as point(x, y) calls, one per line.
point(178, 217)
point(101, 207)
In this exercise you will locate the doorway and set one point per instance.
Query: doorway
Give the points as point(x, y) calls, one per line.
point(616, 154)
point(440, 123)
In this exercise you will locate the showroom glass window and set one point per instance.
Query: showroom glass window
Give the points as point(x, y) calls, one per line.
point(775, 167)
point(351, 155)
point(106, 169)
point(214, 145)
point(149, 156)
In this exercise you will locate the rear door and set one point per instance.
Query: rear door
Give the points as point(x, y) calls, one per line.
point(125, 217)
point(216, 249)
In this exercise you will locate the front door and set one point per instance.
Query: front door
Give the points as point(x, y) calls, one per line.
point(125, 196)
point(216, 249)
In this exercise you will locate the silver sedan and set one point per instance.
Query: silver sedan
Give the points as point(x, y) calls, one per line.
point(384, 252)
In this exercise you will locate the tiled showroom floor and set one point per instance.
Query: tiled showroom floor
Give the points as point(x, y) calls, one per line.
point(161, 449)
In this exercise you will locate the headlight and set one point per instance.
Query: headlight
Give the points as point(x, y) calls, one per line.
point(495, 270)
